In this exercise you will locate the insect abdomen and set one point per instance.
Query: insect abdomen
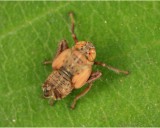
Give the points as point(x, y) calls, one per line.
point(58, 84)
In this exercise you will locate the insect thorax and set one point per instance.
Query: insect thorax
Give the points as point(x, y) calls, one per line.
point(76, 63)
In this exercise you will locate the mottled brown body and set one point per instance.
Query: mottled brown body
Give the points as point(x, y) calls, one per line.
point(61, 81)
point(72, 69)
point(58, 85)
point(73, 61)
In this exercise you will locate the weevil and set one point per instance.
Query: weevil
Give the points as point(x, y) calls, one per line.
point(72, 69)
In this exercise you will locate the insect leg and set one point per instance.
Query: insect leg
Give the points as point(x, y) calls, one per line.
point(111, 68)
point(61, 47)
point(80, 95)
point(51, 101)
point(47, 62)
point(72, 28)
point(94, 76)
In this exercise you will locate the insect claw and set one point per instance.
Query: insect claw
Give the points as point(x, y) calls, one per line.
point(43, 63)
point(70, 13)
point(72, 107)
point(127, 72)
point(42, 96)
point(123, 72)
point(51, 101)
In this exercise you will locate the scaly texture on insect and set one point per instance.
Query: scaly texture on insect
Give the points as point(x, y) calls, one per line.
point(72, 69)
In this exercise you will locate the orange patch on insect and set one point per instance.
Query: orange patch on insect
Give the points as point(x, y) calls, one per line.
point(92, 54)
point(80, 44)
point(80, 57)
point(80, 79)
point(59, 61)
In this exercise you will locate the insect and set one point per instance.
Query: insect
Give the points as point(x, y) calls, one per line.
point(72, 69)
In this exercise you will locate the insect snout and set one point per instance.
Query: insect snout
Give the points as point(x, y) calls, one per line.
point(46, 92)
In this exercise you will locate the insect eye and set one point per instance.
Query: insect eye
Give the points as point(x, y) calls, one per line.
point(92, 54)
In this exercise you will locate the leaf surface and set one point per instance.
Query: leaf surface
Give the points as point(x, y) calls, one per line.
point(126, 36)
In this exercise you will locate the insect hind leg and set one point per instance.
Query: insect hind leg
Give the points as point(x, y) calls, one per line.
point(94, 76)
point(80, 95)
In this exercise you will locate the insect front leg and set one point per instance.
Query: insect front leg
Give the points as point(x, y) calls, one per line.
point(111, 68)
point(51, 101)
point(47, 62)
point(93, 77)
point(63, 45)
point(72, 28)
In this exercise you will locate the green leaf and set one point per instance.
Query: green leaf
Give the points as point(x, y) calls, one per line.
point(126, 36)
